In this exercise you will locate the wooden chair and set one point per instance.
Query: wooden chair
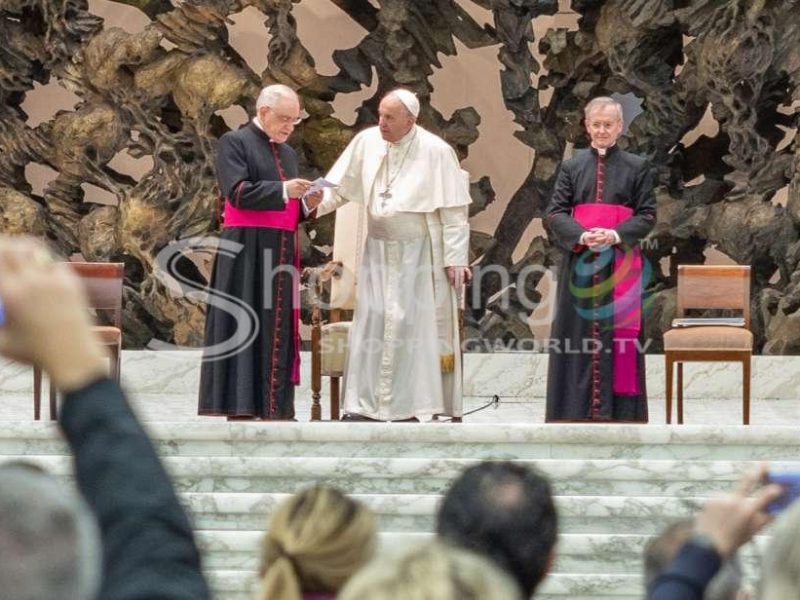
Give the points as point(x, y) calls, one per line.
point(335, 281)
point(329, 340)
point(710, 287)
point(103, 285)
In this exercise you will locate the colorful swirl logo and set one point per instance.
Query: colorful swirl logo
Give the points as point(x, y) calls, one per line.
point(608, 286)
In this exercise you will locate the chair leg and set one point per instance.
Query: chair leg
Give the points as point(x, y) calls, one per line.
point(668, 387)
point(316, 407)
point(53, 404)
point(746, 391)
point(334, 398)
point(115, 363)
point(37, 393)
point(679, 393)
point(316, 376)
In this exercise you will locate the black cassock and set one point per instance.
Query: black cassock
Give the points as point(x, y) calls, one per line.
point(254, 378)
point(580, 368)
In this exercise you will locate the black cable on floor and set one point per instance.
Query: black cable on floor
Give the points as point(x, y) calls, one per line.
point(495, 401)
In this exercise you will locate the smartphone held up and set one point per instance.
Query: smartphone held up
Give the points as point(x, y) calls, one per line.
point(790, 482)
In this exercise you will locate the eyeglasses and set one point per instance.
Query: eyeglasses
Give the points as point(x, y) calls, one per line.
point(286, 119)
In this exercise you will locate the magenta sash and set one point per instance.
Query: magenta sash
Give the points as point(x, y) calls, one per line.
point(285, 220)
point(627, 294)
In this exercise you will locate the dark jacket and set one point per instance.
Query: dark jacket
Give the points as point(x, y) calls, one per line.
point(688, 574)
point(148, 547)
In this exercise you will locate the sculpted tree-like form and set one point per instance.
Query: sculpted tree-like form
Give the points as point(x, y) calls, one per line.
point(157, 95)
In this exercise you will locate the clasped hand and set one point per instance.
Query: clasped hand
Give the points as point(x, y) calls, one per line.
point(598, 236)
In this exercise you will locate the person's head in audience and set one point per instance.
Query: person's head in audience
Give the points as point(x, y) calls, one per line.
point(49, 541)
point(780, 575)
point(433, 571)
point(728, 583)
point(504, 511)
point(316, 540)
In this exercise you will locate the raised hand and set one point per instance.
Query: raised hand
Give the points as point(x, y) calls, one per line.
point(46, 319)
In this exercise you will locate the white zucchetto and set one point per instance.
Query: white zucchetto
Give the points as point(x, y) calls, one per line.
point(409, 100)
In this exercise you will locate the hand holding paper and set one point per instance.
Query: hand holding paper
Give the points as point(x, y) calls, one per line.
point(319, 184)
point(313, 195)
point(296, 187)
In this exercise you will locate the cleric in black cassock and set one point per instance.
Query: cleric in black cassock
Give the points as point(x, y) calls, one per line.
point(592, 315)
point(254, 285)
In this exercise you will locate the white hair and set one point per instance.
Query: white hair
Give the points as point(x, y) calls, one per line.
point(272, 94)
point(408, 99)
point(601, 102)
point(49, 539)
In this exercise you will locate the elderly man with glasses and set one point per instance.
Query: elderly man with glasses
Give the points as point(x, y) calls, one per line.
point(251, 357)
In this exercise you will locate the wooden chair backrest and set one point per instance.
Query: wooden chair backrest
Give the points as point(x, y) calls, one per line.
point(103, 285)
point(714, 286)
point(348, 248)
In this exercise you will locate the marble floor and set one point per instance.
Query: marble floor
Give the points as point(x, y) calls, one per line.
point(18, 406)
point(162, 385)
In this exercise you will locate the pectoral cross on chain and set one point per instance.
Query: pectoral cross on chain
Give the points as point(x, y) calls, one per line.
point(386, 194)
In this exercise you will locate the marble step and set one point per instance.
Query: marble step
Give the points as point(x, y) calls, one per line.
point(477, 441)
point(241, 585)
point(465, 441)
point(416, 512)
point(594, 554)
point(433, 476)
point(227, 474)
point(615, 485)
point(581, 553)
point(240, 550)
point(586, 585)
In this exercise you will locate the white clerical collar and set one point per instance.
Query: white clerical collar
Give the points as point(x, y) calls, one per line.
point(405, 140)
point(603, 151)
point(258, 124)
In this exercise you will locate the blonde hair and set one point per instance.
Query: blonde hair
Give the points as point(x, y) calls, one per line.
point(780, 576)
point(433, 571)
point(316, 540)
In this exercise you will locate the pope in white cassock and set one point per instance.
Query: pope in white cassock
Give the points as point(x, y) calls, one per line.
point(404, 358)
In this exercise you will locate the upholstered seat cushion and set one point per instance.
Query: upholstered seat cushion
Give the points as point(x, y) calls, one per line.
point(708, 337)
point(333, 348)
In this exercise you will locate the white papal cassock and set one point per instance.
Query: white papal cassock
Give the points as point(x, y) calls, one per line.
point(404, 359)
